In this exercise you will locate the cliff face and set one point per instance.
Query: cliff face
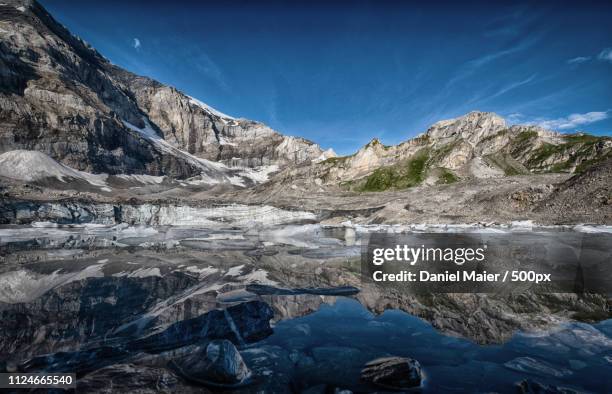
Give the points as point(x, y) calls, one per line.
point(61, 97)
point(193, 126)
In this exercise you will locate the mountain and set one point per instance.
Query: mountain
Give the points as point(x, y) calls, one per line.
point(476, 145)
point(61, 97)
point(79, 134)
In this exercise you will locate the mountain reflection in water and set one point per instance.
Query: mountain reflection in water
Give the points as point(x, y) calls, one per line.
point(130, 300)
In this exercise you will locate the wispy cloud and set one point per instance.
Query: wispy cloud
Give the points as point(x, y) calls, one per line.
point(208, 67)
point(513, 86)
point(572, 121)
point(515, 118)
point(490, 57)
point(136, 43)
point(605, 55)
point(473, 66)
point(578, 60)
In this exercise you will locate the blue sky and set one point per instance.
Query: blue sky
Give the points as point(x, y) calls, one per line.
point(340, 73)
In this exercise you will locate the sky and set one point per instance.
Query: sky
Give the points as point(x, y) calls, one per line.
point(341, 73)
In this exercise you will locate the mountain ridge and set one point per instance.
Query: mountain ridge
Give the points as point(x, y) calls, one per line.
point(475, 145)
point(63, 98)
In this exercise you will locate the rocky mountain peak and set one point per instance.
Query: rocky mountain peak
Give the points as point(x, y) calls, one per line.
point(373, 145)
point(59, 96)
point(472, 127)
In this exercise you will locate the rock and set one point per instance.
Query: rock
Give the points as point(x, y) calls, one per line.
point(218, 364)
point(272, 368)
point(532, 387)
point(395, 373)
point(537, 367)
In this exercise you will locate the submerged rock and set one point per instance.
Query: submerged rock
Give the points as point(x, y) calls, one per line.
point(536, 367)
point(218, 364)
point(529, 386)
point(395, 373)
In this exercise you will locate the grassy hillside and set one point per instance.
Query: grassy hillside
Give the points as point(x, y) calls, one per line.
point(399, 176)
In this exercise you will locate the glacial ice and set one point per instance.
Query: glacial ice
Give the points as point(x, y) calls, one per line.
point(230, 215)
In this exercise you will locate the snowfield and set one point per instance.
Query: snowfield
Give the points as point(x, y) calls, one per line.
point(30, 166)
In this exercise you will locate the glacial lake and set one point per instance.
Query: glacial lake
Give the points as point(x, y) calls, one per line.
point(341, 337)
point(70, 289)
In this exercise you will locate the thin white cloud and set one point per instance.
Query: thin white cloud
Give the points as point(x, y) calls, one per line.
point(205, 64)
point(472, 67)
point(515, 118)
point(605, 55)
point(513, 86)
point(579, 59)
point(572, 121)
point(136, 43)
point(490, 57)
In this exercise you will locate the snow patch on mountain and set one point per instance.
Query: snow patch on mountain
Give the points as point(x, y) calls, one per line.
point(31, 166)
point(215, 172)
point(259, 174)
point(142, 178)
point(209, 109)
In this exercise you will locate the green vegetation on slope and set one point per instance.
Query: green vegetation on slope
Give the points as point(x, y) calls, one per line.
point(376, 142)
point(447, 177)
point(335, 160)
point(578, 148)
point(493, 136)
point(526, 136)
point(399, 176)
point(523, 141)
point(506, 163)
point(443, 151)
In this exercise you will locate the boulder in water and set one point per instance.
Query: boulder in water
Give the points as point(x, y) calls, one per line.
point(532, 387)
point(395, 373)
point(217, 364)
